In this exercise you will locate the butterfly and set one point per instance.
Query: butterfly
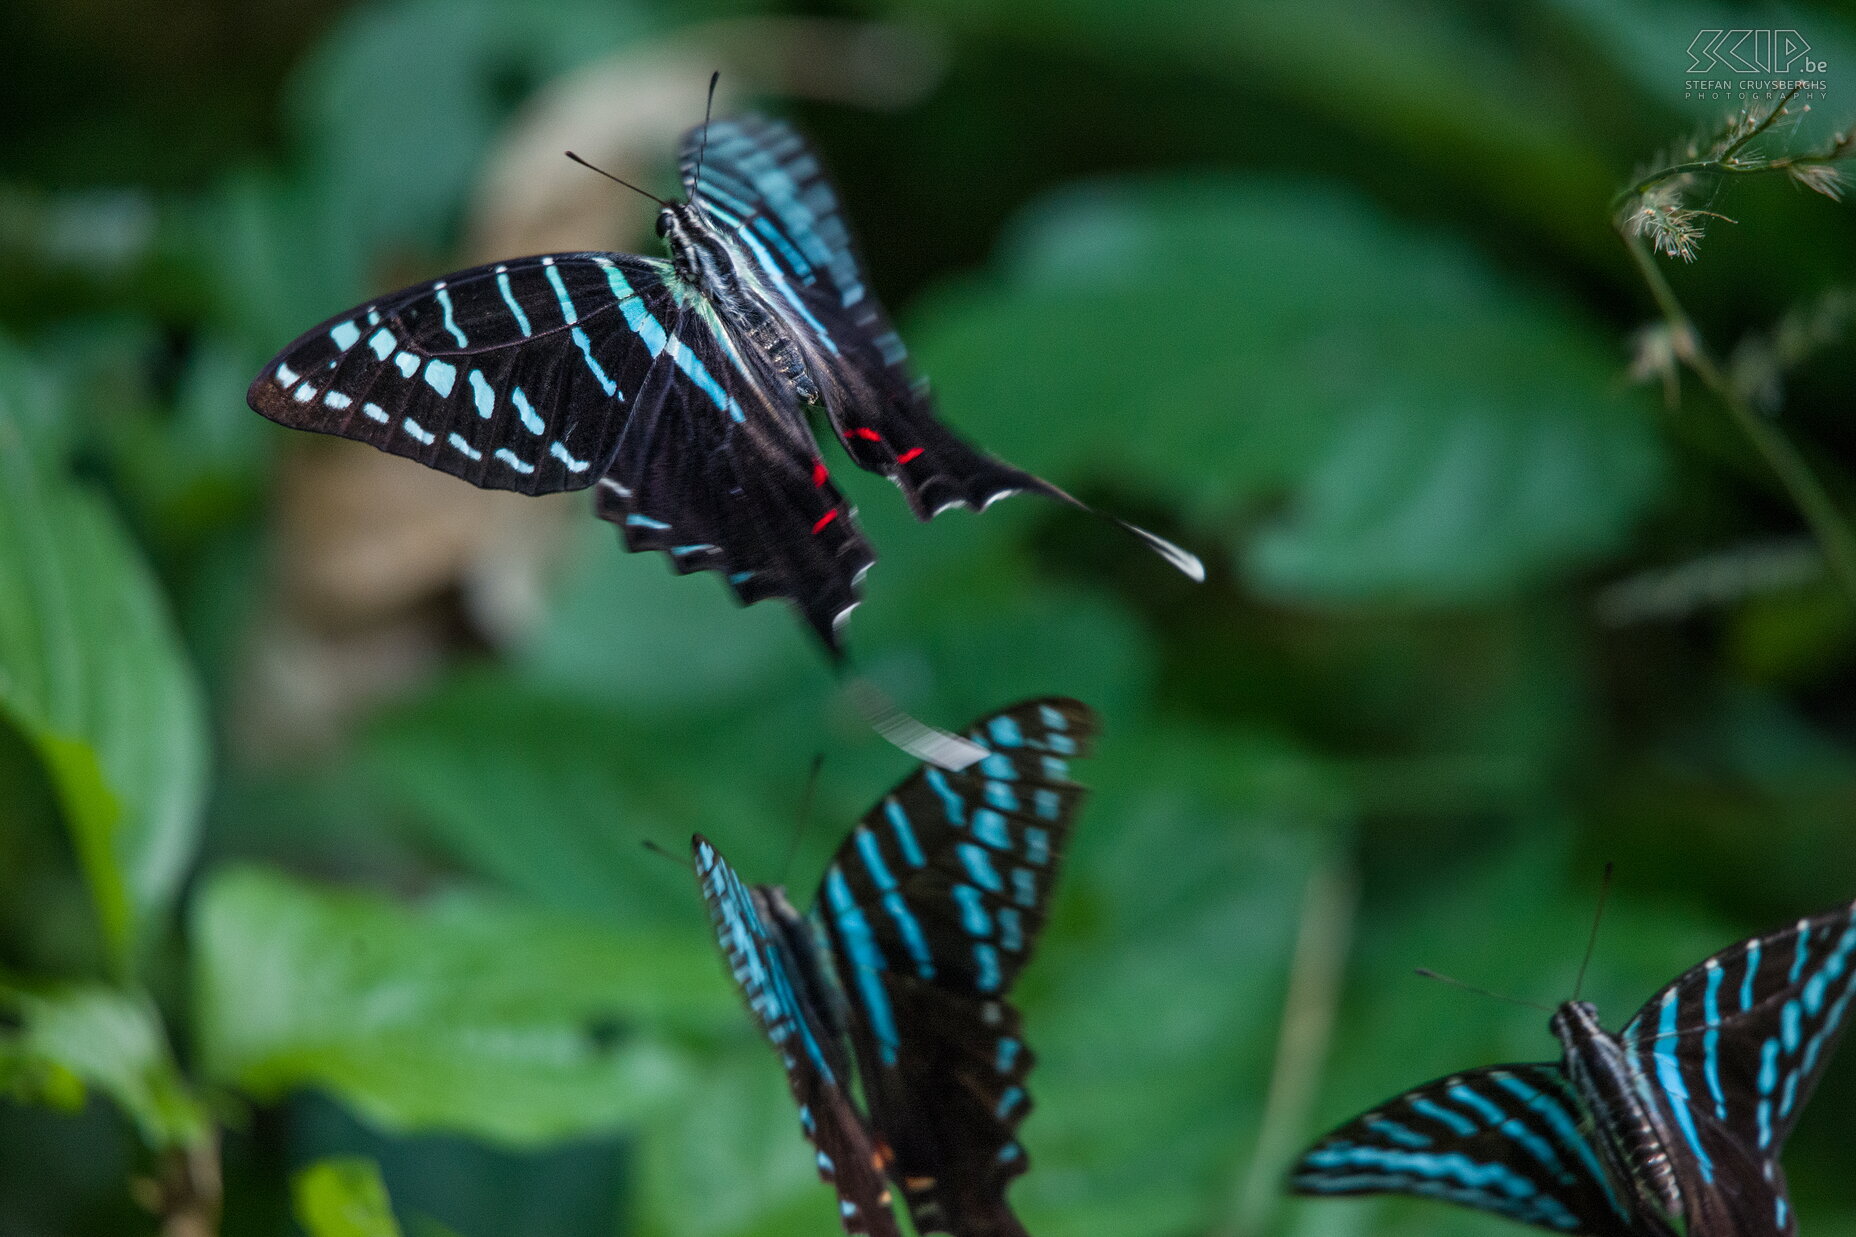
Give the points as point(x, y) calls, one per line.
point(1671, 1126)
point(680, 390)
point(898, 975)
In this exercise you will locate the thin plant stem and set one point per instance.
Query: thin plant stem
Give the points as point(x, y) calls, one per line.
point(1806, 491)
point(1322, 941)
point(1723, 161)
point(1787, 463)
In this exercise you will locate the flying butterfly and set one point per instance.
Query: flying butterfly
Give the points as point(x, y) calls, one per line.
point(1672, 1126)
point(897, 977)
point(680, 389)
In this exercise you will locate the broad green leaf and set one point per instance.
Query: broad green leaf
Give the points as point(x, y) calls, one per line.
point(399, 101)
point(1430, 432)
point(1450, 102)
point(93, 675)
point(460, 1013)
point(548, 777)
point(343, 1197)
point(1156, 1003)
point(83, 1036)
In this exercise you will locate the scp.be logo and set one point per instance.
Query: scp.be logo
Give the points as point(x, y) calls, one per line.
point(1752, 51)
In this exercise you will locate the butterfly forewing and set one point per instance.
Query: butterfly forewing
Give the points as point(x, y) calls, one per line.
point(933, 905)
point(1740, 1041)
point(773, 984)
point(1510, 1139)
point(520, 375)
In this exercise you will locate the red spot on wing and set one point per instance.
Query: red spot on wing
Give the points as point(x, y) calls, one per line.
point(908, 455)
point(819, 475)
point(867, 434)
point(823, 520)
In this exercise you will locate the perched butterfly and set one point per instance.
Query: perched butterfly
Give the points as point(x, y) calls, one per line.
point(680, 388)
point(1672, 1126)
point(921, 924)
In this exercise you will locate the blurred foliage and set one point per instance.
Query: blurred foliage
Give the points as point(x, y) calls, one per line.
point(319, 851)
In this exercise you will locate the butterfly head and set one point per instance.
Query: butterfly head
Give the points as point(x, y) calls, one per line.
point(1576, 1022)
point(697, 251)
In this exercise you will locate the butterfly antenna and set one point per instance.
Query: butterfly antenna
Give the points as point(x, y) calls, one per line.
point(806, 800)
point(609, 176)
point(681, 862)
point(1591, 943)
point(702, 147)
point(1427, 973)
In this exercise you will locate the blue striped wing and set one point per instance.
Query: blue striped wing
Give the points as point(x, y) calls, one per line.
point(518, 376)
point(932, 906)
point(556, 372)
point(1735, 1046)
point(1510, 1139)
point(772, 981)
point(763, 186)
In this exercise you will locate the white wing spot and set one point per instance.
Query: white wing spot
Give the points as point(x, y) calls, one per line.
point(559, 451)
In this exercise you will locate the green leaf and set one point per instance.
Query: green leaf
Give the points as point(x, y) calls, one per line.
point(1452, 104)
point(93, 675)
point(460, 1013)
point(1156, 1002)
point(80, 1036)
point(1430, 433)
point(343, 1196)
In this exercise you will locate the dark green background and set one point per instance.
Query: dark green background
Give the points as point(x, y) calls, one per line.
point(1327, 291)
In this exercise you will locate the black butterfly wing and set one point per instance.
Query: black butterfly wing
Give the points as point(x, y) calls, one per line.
point(718, 471)
point(1510, 1139)
point(770, 980)
point(933, 905)
point(551, 373)
point(765, 188)
point(1736, 1045)
point(520, 376)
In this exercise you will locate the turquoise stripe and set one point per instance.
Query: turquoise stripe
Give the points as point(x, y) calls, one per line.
point(568, 314)
point(444, 302)
point(867, 962)
point(502, 284)
point(1711, 1042)
point(905, 836)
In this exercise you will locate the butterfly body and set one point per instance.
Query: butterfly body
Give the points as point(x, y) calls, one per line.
point(1671, 1127)
point(887, 1000)
point(681, 388)
point(708, 267)
point(1635, 1144)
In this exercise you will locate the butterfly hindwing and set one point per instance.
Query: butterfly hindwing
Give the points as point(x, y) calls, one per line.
point(771, 980)
point(1739, 1042)
point(1509, 1139)
point(763, 185)
point(746, 497)
point(521, 375)
point(933, 905)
